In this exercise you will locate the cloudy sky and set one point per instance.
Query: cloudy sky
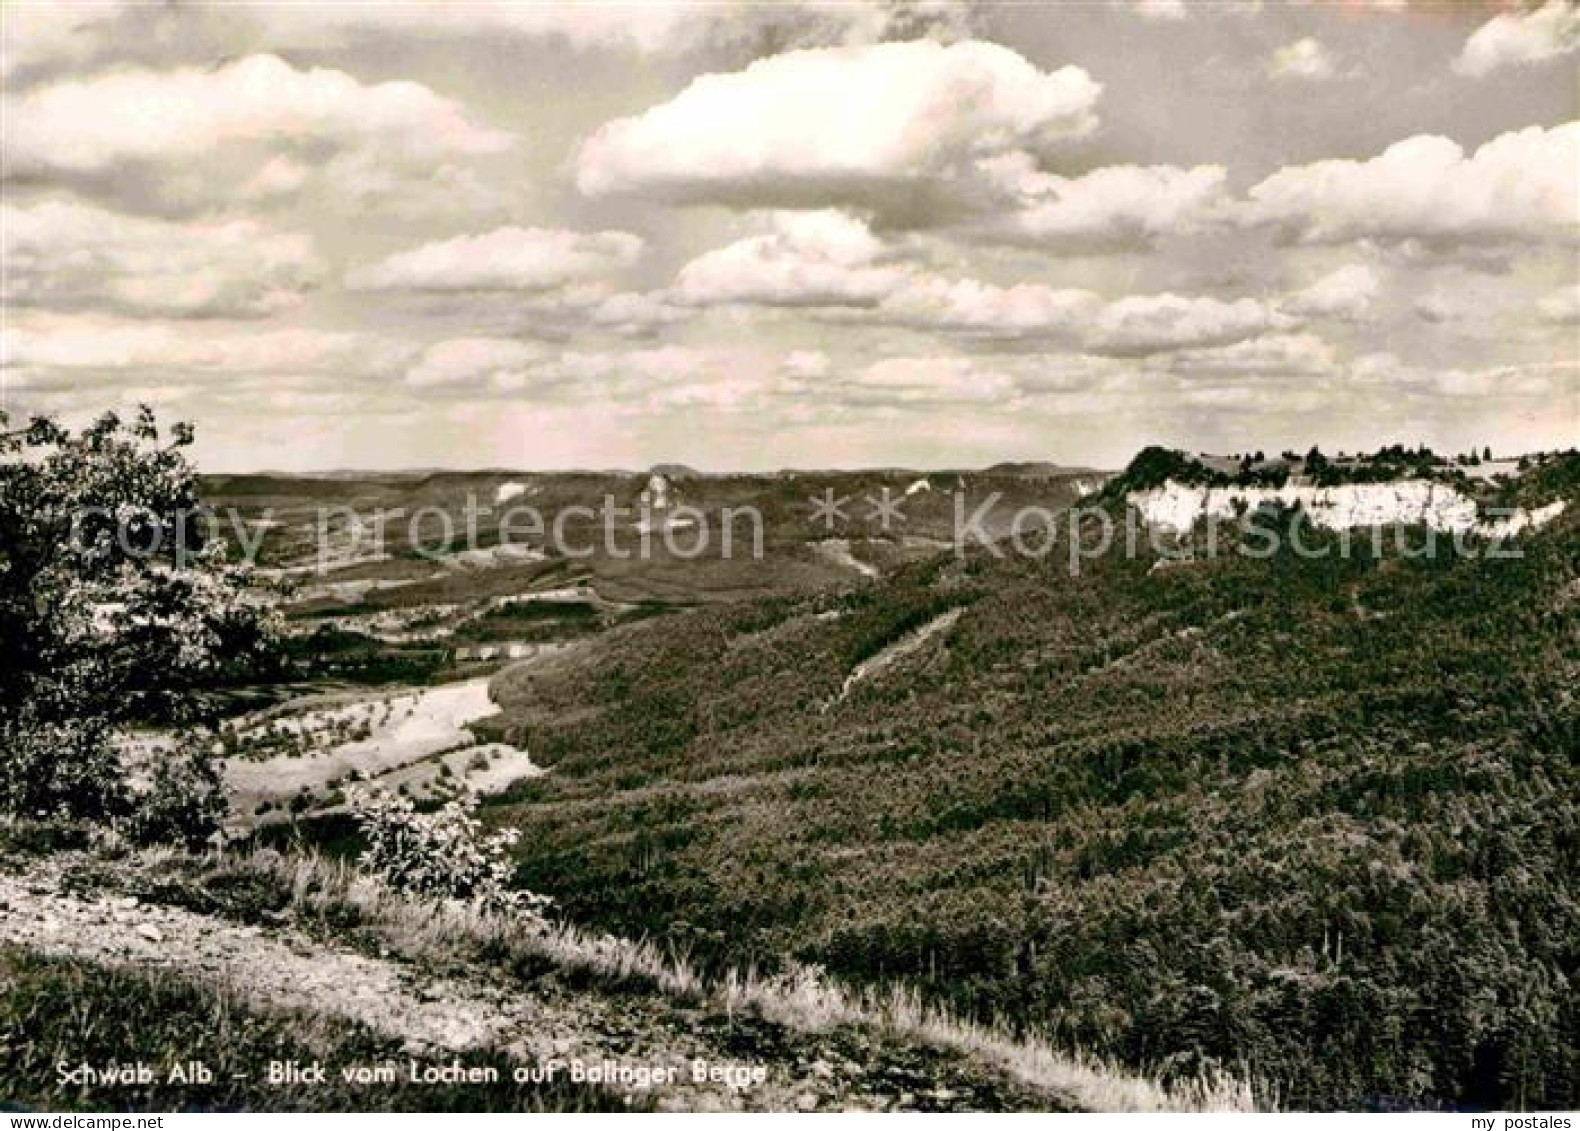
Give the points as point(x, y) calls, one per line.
point(743, 235)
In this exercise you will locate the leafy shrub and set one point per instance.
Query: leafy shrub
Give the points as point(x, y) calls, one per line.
point(439, 855)
point(58, 769)
point(184, 805)
point(114, 606)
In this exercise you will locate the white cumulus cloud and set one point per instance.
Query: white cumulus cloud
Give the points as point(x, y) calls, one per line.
point(32, 35)
point(830, 260)
point(823, 258)
point(95, 342)
point(1137, 325)
point(1518, 186)
point(878, 126)
point(1347, 294)
point(1159, 9)
point(635, 314)
point(68, 255)
point(1521, 37)
point(651, 27)
point(1284, 354)
point(500, 362)
point(1561, 306)
point(971, 307)
point(39, 38)
point(507, 259)
point(1116, 207)
point(136, 131)
point(946, 379)
point(1304, 59)
point(91, 124)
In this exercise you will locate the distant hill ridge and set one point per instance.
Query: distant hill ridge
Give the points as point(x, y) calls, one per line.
point(1030, 469)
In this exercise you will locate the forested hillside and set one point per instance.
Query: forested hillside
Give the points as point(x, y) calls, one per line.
point(1316, 819)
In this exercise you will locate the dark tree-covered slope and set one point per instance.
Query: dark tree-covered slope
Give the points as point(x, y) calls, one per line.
point(1316, 819)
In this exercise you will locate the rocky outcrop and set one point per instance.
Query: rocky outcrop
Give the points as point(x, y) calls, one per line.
point(655, 496)
point(1178, 507)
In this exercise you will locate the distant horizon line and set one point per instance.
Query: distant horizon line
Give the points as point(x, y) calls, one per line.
point(673, 467)
point(667, 468)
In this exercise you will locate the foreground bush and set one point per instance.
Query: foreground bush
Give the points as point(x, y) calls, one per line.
point(439, 855)
point(185, 803)
point(115, 607)
point(58, 770)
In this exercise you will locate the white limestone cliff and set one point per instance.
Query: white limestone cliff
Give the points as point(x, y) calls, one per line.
point(1178, 507)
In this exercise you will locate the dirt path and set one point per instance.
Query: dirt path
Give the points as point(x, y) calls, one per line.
point(284, 968)
point(433, 1012)
point(901, 648)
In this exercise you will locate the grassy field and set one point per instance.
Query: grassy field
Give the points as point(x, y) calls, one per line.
point(59, 1011)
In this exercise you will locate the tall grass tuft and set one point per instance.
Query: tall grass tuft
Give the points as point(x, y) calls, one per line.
point(802, 999)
